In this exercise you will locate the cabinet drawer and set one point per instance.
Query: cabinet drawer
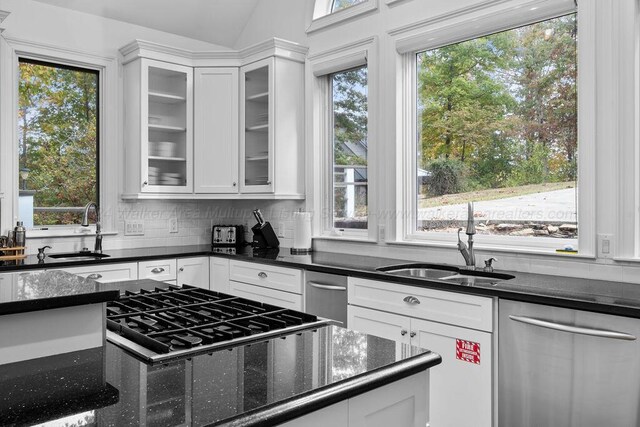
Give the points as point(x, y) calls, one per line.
point(163, 270)
point(469, 311)
point(107, 272)
point(266, 295)
point(269, 276)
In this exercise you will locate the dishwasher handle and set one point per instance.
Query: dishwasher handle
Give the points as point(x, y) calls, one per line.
point(327, 287)
point(573, 329)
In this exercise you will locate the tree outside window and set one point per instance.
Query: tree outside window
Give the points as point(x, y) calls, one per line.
point(58, 142)
point(497, 125)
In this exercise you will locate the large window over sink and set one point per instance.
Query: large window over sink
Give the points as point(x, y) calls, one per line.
point(58, 129)
point(496, 124)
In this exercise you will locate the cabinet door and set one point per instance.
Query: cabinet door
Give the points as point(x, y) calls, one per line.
point(162, 270)
point(216, 130)
point(166, 120)
point(386, 325)
point(460, 386)
point(266, 295)
point(219, 274)
point(194, 272)
point(257, 124)
point(106, 273)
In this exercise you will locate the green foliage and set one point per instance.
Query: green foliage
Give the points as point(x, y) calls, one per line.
point(446, 176)
point(504, 105)
point(350, 114)
point(58, 137)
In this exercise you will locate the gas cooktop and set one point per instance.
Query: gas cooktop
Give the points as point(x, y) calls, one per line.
point(167, 323)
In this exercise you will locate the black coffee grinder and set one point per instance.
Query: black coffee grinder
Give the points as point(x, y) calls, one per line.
point(263, 235)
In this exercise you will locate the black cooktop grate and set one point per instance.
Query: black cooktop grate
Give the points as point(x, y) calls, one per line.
point(178, 318)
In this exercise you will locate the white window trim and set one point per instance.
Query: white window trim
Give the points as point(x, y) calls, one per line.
point(476, 24)
point(323, 17)
point(321, 65)
point(109, 149)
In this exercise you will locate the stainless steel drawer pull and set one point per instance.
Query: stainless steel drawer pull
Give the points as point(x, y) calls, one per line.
point(403, 332)
point(573, 329)
point(327, 287)
point(411, 300)
point(262, 275)
point(181, 269)
point(158, 270)
point(412, 334)
point(94, 276)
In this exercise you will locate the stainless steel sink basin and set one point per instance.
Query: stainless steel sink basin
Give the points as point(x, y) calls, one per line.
point(447, 273)
point(78, 256)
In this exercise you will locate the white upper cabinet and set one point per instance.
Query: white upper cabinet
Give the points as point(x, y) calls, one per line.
point(158, 127)
point(272, 128)
point(216, 130)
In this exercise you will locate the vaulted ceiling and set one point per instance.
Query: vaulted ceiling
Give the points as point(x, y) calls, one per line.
point(215, 21)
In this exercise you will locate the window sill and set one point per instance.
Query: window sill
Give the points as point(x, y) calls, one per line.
point(67, 232)
point(547, 252)
point(346, 238)
point(343, 15)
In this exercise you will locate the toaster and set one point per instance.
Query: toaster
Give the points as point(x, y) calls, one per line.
point(227, 235)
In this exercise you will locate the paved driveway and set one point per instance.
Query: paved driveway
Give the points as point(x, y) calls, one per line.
point(553, 206)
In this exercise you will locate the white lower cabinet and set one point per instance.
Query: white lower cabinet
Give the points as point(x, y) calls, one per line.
point(193, 271)
point(219, 274)
point(399, 404)
point(163, 270)
point(461, 391)
point(105, 273)
point(266, 295)
point(266, 283)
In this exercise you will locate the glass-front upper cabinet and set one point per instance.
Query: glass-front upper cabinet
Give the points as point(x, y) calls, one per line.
point(159, 127)
point(256, 144)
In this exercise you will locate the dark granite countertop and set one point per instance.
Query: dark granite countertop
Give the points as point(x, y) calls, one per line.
point(263, 383)
point(45, 290)
point(603, 296)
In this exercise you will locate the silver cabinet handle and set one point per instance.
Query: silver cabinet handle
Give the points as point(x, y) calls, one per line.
point(573, 329)
point(158, 270)
point(262, 275)
point(327, 287)
point(234, 184)
point(145, 183)
point(94, 276)
point(403, 332)
point(411, 300)
point(412, 334)
point(181, 269)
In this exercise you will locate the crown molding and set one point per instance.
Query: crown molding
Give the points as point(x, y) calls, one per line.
point(272, 47)
point(3, 16)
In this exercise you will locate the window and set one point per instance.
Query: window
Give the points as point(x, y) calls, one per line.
point(58, 130)
point(343, 4)
point(496, 124)
point(349, 126)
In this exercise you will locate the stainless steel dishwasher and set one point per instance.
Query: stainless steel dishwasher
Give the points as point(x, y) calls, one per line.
point(564, 367)
point(326, 295)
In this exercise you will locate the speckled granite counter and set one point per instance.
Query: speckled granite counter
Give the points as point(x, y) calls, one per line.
point(594, 295)
point(260, 384)
point(44, 290)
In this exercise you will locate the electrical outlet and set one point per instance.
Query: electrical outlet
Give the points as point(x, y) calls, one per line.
point(173, 225)
point(605, 245)
point(281, 229)
point(134, 228)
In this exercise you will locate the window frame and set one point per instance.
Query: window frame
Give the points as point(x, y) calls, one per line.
point(97, 72)
point(108, 119)
point(322, 65)
point(459, 30)
point(323, 17)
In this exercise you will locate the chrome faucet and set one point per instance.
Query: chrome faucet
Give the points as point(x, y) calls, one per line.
point(85, 223)
point(467, 251)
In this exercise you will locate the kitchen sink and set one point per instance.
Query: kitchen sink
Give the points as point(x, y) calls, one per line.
point(446, 273)
point(78, 256)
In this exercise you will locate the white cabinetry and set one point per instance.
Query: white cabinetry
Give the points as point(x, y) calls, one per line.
point(216, 130)
point(266, 283)
point(105, 273)
point(272, 127)
point(456, 326)
point(219, 274)
point(158, 127)
point(400, 403)
point(194, 272)
point(163, 270)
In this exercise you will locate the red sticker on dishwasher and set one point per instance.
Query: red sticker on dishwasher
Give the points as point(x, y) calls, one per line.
point(468, 351)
